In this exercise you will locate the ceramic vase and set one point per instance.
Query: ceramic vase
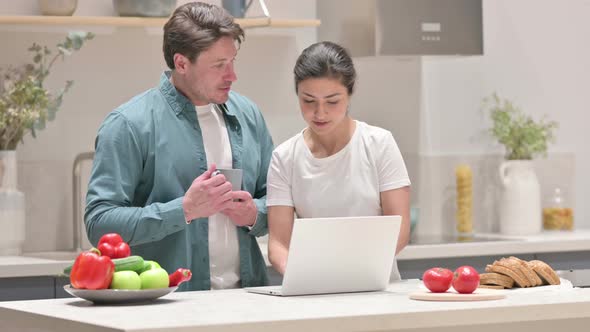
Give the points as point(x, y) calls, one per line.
point(12, 206)
point(520, 202)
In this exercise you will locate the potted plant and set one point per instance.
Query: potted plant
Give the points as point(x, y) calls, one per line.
point(523, 139)
point(25, 107)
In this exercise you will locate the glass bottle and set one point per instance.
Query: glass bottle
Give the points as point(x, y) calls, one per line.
point(557, 213)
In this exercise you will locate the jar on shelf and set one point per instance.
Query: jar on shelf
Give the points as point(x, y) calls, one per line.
point(557, 213)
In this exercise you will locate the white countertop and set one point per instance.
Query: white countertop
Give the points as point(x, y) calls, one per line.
point(20, 266)
point(238, 310)
point(548, 241)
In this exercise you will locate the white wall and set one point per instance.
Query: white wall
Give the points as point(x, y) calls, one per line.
point(537, 53)
point(388, 95)
point(116, 65)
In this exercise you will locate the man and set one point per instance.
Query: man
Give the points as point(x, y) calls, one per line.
point(151, 182)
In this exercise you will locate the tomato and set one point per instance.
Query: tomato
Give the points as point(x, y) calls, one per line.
point(437, 279)
point(466, 279)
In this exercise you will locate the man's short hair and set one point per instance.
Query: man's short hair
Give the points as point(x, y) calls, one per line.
point(194, 27)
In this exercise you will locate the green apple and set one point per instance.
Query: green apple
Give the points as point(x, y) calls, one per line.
point(148, 265)
point(126, 280)
point(154, 278)
point(154, 265)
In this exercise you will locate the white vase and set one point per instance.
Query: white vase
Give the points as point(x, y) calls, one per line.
point(520, 202)
point(12, 206)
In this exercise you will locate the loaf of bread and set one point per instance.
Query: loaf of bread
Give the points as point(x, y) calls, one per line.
point(545, 272)
point(495, 279)
point(513, 271)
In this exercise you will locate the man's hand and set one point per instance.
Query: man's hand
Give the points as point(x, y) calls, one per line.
point(207, 195)
point(241, 210)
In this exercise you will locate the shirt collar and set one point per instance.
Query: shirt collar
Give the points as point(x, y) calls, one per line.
point(177, 101)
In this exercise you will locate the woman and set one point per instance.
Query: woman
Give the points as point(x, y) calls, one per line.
point(337, 166)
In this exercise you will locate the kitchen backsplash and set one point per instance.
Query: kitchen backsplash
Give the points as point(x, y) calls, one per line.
point(436, 195)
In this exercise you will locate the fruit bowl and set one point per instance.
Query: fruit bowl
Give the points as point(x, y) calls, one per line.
point(119, 296)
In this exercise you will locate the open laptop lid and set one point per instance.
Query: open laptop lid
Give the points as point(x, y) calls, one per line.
point(341, 254)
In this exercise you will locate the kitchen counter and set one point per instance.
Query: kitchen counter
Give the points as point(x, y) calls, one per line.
point(492, 245)
point(20, 266)
point(496, 244)
point(537, 309)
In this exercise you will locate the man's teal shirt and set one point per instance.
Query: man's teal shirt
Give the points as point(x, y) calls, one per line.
point(148, 152)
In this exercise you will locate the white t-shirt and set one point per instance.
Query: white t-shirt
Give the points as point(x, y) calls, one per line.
point(224, 257)
point(347, 183)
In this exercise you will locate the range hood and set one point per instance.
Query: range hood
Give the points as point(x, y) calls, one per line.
point(403, 27)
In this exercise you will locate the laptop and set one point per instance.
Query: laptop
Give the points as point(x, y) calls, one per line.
point(338, 255)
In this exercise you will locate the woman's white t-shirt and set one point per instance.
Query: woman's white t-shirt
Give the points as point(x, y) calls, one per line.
point(347, 183)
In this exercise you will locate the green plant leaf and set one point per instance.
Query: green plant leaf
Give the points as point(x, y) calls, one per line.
point(522, 137)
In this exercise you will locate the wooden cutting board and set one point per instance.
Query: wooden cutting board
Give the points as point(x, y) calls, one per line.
point(480, 294)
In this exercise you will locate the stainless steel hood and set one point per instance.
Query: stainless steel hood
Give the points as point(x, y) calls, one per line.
point(403, 27)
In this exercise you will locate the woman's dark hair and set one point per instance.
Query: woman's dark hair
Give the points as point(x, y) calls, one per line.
point(194, 27)
point(325, 60)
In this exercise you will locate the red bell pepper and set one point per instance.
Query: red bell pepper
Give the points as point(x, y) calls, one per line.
point(179, 276)
point(92, 271)
point(113, 246)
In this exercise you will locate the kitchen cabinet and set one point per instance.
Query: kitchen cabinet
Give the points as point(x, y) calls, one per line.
point(60, 282)
point(27, 288)
point(28, 278)
point(33, 288)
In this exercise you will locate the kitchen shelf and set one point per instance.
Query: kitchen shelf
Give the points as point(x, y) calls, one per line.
point(119, 21)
